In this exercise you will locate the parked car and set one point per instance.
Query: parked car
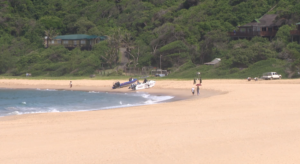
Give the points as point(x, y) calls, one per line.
point(160, 75)
point(271, 76)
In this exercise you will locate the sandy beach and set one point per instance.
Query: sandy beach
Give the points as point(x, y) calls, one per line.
point(232, 121)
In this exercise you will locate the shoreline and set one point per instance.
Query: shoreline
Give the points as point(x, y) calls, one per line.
point(104, 87)
point(177, 94)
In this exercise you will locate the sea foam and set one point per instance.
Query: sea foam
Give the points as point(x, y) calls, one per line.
point(17, 102)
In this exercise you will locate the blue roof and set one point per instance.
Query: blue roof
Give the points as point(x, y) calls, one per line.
point(79, 36)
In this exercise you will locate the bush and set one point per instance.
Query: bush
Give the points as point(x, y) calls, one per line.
point(234, 70)
point(119, 72)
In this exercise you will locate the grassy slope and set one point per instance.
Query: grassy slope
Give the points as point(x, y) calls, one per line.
point(207, 72)
point(255, 70)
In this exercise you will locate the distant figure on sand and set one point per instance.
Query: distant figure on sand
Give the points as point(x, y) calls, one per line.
point(70, 84)
point(193, 90)
point(198, 90)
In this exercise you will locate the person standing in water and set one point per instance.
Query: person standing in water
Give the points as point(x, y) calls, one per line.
point(193, 90)
point(198, 90)
point(70, 84)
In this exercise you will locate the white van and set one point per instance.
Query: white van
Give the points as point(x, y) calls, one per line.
point(271, 76)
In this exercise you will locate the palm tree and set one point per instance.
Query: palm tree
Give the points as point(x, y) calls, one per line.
point(50, 34)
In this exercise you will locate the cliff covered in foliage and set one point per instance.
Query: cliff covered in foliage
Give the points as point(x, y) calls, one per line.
point(180, 33)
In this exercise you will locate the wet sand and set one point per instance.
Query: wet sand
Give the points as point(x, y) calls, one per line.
point(232, 121)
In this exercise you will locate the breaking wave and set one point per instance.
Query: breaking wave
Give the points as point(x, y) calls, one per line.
point(18, 102)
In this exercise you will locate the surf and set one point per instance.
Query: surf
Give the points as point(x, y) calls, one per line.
point(19, 102)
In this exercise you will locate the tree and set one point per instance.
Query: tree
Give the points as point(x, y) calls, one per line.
point(283, 33)
point(51, 22)
point(110, 48)
point(83, 25)
point(50, 34)
point(213, 39)
point(175, 52)
point(138, 51)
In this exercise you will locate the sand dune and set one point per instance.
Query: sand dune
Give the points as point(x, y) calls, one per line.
point(233, 121)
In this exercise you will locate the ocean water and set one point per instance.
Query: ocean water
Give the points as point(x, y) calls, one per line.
point(17, 102)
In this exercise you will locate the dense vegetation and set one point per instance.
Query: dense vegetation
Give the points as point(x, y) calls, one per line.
point(183, 34)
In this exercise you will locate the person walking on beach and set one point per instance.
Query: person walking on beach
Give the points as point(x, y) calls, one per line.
point(198, 90)
point(193, 90)
point(70, 84)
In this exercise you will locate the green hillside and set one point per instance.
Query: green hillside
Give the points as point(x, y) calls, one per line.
point(182, 34)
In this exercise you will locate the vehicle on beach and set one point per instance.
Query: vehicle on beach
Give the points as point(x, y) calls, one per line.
point(271, 76)
point(125, 84)
point(160, 75)
point(145, 85)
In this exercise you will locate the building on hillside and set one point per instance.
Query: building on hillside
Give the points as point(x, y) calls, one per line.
point(216, 61)
point(266, 26)
point(296, 33)
point(159, 72)
point(85, 42)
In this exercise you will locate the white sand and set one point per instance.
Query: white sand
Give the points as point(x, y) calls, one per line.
point(246, 122)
